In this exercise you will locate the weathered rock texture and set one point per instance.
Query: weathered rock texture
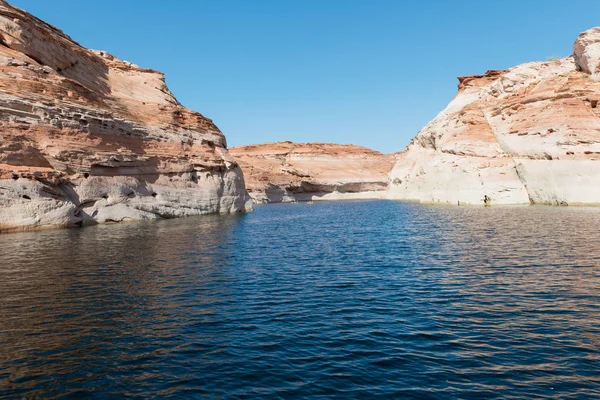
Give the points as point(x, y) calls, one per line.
point(86, 138)
point(287, 171)
point(530, 134)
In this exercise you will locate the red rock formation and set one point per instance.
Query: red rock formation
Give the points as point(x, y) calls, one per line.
point(479, 80)
point(88, 138)
point(530, 134)
point(288, 171)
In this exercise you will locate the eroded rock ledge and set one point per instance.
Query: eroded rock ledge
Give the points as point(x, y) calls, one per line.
point(87, 138)
point(530, 134)
point(287, 171)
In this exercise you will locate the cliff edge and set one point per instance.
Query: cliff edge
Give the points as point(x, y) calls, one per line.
point(87, 138)
point(530, 134)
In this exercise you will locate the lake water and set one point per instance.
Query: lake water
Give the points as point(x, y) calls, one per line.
point(331, 300)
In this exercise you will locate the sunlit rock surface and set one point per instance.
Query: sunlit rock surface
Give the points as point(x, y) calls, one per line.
point(530, 134)
point(87, 138)
point(287, 171)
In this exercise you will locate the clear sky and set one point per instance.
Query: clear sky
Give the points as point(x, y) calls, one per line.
point(367, 72)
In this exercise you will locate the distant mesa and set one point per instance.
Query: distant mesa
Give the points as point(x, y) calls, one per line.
point(288, 172)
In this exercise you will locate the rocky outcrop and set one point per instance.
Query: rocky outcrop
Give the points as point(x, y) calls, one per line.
point(530, 134)
point(87, 138)
point(287, 171)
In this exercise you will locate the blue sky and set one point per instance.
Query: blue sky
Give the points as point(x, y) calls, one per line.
point(367, 72)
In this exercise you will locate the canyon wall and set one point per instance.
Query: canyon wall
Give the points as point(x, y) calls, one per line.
point(287, 171)
point(529, 134)
point(87, 138)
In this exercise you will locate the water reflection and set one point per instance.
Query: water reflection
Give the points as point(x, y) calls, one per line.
point(70, 298)
point(351, 299)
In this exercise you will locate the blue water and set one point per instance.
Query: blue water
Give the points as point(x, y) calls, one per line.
point(331, 300)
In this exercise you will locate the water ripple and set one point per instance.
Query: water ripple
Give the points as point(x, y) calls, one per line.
point(346, 300)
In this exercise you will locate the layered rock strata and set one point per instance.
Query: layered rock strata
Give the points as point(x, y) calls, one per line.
point(287, 171)
point(530, 134)
point(87, 138)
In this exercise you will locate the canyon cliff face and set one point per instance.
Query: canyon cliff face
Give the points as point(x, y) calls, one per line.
point(87, 138)
point(287, 171)
point(530, 134)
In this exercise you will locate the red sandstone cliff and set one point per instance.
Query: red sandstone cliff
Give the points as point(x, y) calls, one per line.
point(87, 138)
point(288, 171)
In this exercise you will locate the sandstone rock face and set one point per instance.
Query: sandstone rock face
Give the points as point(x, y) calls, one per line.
point(87, 138)
point(287, 171)
point(587, 52)
point(530, 134)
